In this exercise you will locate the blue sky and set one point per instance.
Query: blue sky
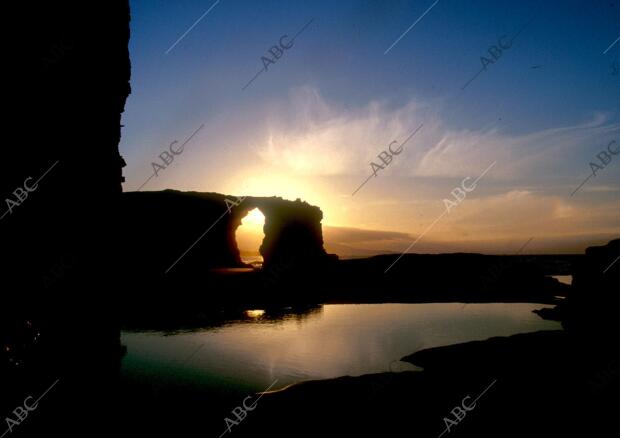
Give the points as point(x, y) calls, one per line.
point(310, 125)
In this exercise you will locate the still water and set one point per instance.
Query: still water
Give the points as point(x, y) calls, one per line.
point(249, 354)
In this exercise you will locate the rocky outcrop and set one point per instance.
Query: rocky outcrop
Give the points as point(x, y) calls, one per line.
point(592, 308)
point(177, 232)
point(292, 229)
point(556, 390)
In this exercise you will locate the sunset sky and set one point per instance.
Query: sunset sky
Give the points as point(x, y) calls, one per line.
point(310, 125)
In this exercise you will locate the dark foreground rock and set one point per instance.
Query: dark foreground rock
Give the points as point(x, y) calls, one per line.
point(534, 384)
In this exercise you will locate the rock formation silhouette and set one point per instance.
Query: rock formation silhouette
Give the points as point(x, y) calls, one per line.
point(591, 311)
point(162, 226)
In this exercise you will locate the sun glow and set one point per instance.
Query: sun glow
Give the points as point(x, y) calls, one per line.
point(249, 236)
point(255, 219)
point(270, 182)
point(254, 313)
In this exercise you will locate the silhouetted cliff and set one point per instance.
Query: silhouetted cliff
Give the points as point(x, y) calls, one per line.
point(186, 233)
point(66, 81)
point(66, 91)
point(592, 308)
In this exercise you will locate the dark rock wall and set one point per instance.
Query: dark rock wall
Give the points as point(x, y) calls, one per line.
point(66, 78)
point(66, 89)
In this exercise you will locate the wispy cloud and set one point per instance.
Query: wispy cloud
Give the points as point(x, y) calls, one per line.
point(318, 137)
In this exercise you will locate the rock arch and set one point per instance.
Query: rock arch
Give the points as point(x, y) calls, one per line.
point(292, 228)
point(160, 226)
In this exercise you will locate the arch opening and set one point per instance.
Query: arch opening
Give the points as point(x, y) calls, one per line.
point(249, 236)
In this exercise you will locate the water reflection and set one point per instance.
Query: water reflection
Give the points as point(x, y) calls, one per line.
point(184, 322)
point(564, 279)
point(255, 313)
point(257, 346)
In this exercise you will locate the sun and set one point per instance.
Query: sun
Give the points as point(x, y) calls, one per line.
point(255, 219)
